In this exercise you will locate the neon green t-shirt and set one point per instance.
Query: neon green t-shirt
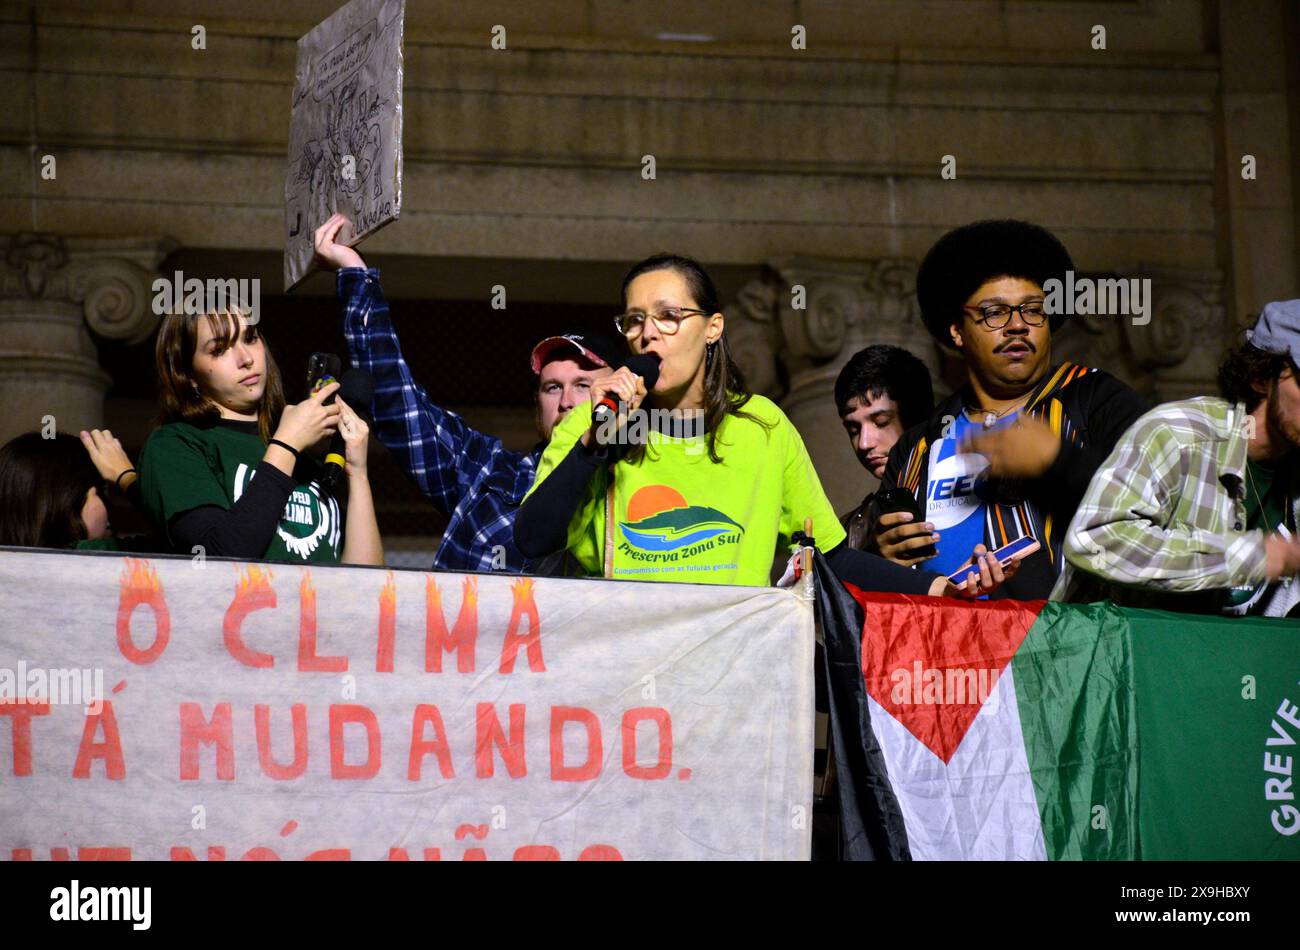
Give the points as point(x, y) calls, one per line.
point(679, 516)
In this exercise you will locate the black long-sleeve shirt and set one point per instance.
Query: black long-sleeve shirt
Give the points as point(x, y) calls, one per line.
point(245, 529)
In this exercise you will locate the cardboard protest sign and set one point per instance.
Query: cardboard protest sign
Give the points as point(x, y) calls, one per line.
point(345, 128)
point(255, 711)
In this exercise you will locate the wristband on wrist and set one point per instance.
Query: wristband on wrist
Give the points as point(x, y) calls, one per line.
point(118, 481)
point(286, 446)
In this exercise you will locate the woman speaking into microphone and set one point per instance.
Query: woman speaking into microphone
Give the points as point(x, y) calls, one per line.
point(717, 482)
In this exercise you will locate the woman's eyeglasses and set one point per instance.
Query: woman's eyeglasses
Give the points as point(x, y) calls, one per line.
point(668, 321)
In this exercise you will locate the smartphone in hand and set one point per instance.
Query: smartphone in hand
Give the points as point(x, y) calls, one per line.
point(1017, 549)
point(900, 499)
point(323, 369)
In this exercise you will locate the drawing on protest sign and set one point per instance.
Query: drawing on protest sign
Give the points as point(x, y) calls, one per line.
point(345, 128)
point(264, 711)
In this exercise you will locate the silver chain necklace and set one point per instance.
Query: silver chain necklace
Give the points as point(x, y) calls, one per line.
point(991, 417)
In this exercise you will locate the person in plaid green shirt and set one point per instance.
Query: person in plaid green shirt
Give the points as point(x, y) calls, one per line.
point(1195, 509)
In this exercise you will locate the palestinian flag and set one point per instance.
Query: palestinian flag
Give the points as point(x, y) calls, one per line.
point(1033, 730)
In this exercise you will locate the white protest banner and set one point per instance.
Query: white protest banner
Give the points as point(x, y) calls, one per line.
point(261, 711)
point(345, 128)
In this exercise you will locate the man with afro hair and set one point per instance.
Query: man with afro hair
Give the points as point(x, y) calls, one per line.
point(1011, 453)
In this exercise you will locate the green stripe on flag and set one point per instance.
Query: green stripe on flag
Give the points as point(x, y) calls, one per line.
point(1074, 681)
point(1212, 694)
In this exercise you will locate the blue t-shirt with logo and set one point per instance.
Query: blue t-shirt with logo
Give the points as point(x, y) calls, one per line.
point(954, 491)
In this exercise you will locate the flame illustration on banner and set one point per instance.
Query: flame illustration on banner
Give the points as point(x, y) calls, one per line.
point(659, 519)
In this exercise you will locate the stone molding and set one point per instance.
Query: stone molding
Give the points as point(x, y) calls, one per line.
point(850, 305)
point(110, 279)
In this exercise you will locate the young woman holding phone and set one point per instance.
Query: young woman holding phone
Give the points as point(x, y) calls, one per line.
point(228, 472)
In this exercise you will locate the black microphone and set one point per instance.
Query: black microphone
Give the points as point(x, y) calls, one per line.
point(645, 365)
point(357, 389)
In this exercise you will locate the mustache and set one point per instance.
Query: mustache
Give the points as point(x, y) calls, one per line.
point(1021, 340)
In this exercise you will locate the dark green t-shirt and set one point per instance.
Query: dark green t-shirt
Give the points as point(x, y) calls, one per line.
point(1265, 507)
point(184, 467)
point(101, 544)
point(1266, 504)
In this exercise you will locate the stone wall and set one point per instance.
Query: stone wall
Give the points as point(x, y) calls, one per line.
point(818, 166)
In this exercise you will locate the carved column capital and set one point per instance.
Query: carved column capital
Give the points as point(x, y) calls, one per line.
point(53, 291)
point(34, 263)
point(1173, 355)
point(793, 329)
point(808, 316)
point(1188, 335)
point(110, 278)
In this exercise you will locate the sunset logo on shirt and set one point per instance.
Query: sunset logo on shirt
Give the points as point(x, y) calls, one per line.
point(659, 519)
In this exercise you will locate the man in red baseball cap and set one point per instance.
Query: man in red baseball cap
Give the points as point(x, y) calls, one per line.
point(471, 478)
point(565, 367)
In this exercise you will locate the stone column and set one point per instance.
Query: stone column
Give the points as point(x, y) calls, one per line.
point(793, 330)
point(54, 293)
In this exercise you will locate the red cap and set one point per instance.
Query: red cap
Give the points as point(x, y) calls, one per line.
point(590, 345)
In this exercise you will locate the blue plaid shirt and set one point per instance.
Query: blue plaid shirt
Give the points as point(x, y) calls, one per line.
point(474, 480)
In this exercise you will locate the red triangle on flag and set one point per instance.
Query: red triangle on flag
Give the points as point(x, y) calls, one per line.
point(932, 661)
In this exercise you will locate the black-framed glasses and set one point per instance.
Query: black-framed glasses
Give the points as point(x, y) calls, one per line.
point(668, 321)
point(997, 315)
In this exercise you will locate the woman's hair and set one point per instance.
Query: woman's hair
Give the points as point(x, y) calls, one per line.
point(725, 392)
point(1247, 365)
point(179, 399)
point(44, 483)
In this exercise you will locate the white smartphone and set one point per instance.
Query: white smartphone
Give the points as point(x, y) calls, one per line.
point(1017, 549)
